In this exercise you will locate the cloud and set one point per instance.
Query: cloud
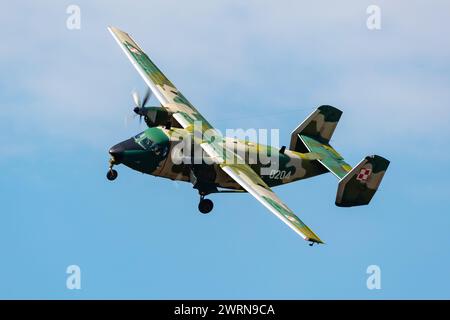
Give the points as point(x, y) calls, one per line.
point(229, 57)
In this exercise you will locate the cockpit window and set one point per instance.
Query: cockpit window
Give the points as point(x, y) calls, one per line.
point(139, 135)
point(147, 144)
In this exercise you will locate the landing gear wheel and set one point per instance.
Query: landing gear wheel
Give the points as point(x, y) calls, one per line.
point(205, 206)
point(111, 175)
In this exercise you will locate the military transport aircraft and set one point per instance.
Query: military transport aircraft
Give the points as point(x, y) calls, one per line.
point(222, 167)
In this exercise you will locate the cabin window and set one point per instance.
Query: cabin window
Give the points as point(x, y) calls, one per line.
point(146, 143)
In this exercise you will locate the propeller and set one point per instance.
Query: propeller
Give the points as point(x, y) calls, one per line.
point(139, 108)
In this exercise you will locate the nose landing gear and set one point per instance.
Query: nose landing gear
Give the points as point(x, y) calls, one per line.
point(205, 205)
point(111, 174)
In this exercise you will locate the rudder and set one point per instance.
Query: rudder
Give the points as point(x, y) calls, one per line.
point(360, 184)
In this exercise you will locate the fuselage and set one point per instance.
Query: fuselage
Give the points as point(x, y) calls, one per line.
point(168, 153)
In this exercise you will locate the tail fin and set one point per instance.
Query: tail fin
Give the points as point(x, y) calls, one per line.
point(360, 184)
point(319, 125)
point(314, 134)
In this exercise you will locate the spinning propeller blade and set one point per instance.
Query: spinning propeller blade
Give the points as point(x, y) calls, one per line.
point(139, 108)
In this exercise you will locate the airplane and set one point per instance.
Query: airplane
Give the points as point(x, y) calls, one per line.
point(222, 166)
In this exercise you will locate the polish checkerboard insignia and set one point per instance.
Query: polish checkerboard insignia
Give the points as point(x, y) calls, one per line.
point(134, 50)
point(363, 174)
point(292, 219)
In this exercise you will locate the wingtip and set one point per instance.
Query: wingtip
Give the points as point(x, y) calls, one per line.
point(113, 29)
point(314, 241)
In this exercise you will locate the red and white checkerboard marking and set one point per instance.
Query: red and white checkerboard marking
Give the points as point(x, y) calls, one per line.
point(134, 50)
point(364, 174)
point(292, 219)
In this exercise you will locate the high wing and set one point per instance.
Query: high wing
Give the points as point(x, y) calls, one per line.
point(211, 141)
point(164, 90)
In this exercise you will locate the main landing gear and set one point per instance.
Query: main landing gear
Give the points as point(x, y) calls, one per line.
point(111, 174)
point(205, 205)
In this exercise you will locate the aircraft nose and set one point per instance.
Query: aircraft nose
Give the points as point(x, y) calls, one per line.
point(118, 151)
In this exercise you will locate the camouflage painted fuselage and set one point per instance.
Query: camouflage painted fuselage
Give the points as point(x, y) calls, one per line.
point(235, 164)
point(156, 146)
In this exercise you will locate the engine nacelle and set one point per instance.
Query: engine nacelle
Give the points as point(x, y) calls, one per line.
point(157, 116)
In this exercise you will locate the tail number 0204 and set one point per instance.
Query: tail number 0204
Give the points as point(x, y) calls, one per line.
point(279, 174)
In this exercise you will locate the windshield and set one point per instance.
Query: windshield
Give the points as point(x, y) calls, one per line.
point(145, 142)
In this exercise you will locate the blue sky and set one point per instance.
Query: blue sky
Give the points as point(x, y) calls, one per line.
point(259, 64)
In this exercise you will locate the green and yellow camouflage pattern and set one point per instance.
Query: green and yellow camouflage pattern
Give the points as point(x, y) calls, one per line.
point(308, 155)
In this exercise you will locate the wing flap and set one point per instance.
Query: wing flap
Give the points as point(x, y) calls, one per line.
point(253, 184)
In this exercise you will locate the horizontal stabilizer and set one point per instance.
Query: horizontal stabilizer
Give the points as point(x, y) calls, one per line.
point(314, 134)
point(328, 157)
point(360, 184)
